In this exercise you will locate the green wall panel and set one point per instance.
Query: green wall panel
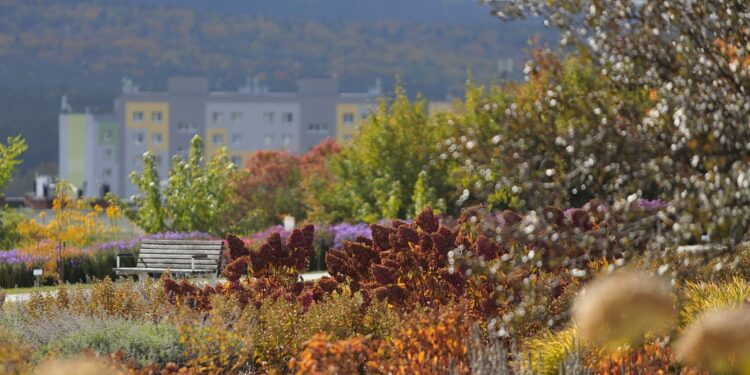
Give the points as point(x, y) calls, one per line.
point(76, 149)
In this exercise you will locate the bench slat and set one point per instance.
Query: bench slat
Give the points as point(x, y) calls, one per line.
point(182, 242)
point(164, 266)
point(155, 270)
point(181, 253)
point(179, 261)
point(181, 247)
point(175, 265)
point(180, 256)
point(156, 256)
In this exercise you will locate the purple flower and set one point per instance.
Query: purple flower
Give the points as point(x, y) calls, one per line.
point(348, 232)
point(126, 246)
point(649, 205)
point(262, 235)
point(15, 257)
point(179, 236)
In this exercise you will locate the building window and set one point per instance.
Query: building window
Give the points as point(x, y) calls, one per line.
point(156, 138)
point(218, 139)
point(286, 140)
point(108, 153)
point(156, 117)
point(217, 117)
point(182, 127)
point(317, 128)
point(268, 117)
point(108, 135)
point(107, 172)
point(287, 117)
point(348, 118)
point(138, 138)
point(236, 160)
point(236, 116)
point(193, 127)
point(269, 139)
point(137, 117)
point(236, 139)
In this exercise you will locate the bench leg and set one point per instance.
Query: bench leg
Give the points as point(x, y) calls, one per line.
point(142, 276)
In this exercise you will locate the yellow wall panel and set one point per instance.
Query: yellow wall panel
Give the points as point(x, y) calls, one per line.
point(345, 131)
point(211, 146)
point(149, 120)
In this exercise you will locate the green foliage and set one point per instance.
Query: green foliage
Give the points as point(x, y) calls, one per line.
point(199, 192)
point(9, 236)
point(151, 214)
point(390, 163)
point(196, 198)
point(502, 198)
point(426, 196)
point(525, 145)
point(9, 157)
point(704, 297)
point(144, 342)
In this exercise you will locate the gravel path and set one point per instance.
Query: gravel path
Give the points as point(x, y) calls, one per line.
point(20, 297)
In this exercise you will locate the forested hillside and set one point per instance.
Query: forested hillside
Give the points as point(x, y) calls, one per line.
point(84, 48)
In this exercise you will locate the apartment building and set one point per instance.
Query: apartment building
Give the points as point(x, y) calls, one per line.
point(89, 152)
point(98, 152)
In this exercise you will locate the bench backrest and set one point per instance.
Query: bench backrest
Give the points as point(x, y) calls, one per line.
point(179, 254)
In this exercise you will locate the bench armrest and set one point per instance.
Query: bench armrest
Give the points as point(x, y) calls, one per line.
point(118, 255)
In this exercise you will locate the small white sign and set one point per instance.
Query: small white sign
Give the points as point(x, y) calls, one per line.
point(37, 272)
point(289, 223)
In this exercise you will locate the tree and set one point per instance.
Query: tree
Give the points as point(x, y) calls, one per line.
point(151, 214)
point(9, 158)
point(693, 59)
point(197, 196)
point(376, 174)
point(276, 183)
point(198, 193)
point(314, 188)
point(562, 138)
point(268, 190)
point(73, 226)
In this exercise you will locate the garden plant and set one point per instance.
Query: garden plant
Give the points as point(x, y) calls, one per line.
point(592, 219)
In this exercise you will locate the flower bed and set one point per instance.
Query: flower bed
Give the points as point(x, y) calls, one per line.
point(422, 297)
point(78, 265)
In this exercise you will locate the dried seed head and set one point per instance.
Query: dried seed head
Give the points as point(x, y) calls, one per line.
point(719, 340)
point(623, 307)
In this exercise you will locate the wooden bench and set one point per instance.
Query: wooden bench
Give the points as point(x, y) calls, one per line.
point(187, 257)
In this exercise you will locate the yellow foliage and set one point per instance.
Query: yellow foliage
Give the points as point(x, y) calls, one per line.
point(126, 299)
point(221, 344)
point(73, 226)
point(545, 354)
point(13, 355)
point(704, 297)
